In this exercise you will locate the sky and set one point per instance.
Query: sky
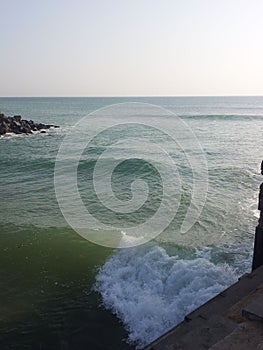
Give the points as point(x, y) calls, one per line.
point(131, 48)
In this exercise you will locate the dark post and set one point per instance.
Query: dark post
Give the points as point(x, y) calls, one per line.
point(258, 243)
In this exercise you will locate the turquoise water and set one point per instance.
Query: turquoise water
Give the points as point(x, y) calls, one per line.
point(60, 291)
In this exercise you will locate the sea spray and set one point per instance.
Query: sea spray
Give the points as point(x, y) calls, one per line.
point(151, 291)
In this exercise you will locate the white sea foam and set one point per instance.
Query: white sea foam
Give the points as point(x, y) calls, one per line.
point(10, 134)
point(51, 130)
point(151, 291)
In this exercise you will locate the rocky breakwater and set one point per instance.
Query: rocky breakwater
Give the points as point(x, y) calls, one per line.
point(17, 125)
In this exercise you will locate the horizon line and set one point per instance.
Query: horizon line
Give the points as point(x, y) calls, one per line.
point(127, 96)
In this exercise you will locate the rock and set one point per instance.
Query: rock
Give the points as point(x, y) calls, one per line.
point(18, 125)
point(17, 117)
point(4, 127)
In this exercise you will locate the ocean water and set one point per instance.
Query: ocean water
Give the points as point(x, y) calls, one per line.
point(61, 291)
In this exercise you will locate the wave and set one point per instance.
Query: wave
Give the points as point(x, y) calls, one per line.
point(223, 116)
point(151, 291)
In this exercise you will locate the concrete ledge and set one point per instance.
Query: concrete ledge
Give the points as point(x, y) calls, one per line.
point(254, 310)
point(214, 321)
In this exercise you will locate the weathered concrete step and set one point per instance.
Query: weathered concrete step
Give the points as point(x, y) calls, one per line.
point(254, 310)
point(217, 319)
point(246, 336)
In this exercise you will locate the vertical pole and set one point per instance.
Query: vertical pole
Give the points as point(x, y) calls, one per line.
point(258, 243)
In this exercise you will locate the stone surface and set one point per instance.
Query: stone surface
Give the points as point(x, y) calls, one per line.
point(246, 336)
point(254, 310)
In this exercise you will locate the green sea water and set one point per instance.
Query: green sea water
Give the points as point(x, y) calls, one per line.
point(60, 291)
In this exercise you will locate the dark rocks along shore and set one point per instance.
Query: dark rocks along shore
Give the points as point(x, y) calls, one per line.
point(18, 125)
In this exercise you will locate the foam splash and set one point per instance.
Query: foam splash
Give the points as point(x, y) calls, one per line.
point(49, 131)
point(151, 291)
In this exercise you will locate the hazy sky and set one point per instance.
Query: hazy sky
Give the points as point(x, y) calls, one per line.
point(127, 48)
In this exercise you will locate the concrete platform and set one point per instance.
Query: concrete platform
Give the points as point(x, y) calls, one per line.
point(232, 320)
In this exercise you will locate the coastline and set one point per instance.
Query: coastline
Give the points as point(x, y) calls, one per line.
point(231, 320)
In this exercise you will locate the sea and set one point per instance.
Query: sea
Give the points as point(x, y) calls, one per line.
point(162, 221)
